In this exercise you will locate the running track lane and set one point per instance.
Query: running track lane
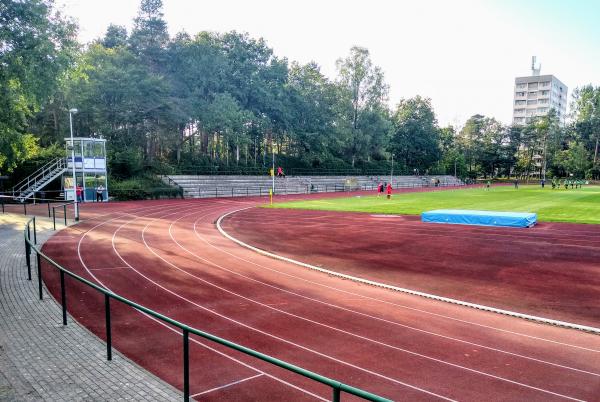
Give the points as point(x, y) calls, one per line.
point(169, 257)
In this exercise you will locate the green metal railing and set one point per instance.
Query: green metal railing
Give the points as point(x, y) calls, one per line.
point(64, 208)
point(336, 386)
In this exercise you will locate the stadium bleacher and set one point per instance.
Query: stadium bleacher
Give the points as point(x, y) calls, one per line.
point(204, 186)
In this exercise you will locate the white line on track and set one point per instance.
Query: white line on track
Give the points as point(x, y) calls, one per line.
point(214, 312)
point(358, 295)
point(348, 309)
point(173, 329)
point(404, 290)
point(332, 327)
point(411, 308)
point(226, 385)
point(253, 202)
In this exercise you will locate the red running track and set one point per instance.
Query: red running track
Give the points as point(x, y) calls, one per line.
point(168, 256)
point(551, 270)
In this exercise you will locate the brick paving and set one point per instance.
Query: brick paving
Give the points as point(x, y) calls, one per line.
point(40, 359)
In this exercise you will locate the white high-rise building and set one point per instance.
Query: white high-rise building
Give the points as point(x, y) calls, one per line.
point(536, 94)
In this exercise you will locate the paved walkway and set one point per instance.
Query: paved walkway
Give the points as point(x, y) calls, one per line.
point(42, 360)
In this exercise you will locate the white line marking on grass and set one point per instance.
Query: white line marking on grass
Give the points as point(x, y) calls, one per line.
point(226, 385)
point(529, 317)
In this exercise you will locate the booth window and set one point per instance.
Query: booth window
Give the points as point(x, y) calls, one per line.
point(88, 149)
point(98, 149)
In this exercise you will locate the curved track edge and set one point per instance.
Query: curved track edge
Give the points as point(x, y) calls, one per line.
point(543, 320)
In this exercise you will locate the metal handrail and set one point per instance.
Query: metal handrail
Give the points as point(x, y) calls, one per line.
point(40, 173)
point(337, 386)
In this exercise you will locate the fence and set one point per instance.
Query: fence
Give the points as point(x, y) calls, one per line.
point(34, 206)
point(240, 191)
point(336, 386)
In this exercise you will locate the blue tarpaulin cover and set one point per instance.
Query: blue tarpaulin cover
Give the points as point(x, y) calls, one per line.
point(482, 218)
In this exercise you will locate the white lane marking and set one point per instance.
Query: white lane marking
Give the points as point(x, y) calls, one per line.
point(176, 331)
point(347, 309)
point(227, 318)
point(405, 290)
point(329, 326)
point(226, 385)
point(418, 309)
point(231, 201)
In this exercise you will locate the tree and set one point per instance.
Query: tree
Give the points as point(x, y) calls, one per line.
point(149, 37)
point(575, 160)
point(36, 45)
point(415, 140)
point(115, 36)
point(586, 113)
point(366, 92)
point(484, 141)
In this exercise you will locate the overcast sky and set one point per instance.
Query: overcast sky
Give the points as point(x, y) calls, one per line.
point(462, 54)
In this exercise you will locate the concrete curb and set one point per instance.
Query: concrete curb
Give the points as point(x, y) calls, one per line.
point(529, 317)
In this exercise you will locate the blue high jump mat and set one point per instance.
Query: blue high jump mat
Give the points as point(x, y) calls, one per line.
point(480, 218)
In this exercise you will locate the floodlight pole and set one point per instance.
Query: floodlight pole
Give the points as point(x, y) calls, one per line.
point(76, 201)
point(392, 171)
point(273, 171)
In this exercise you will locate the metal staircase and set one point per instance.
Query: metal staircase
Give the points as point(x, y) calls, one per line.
point(27, 187)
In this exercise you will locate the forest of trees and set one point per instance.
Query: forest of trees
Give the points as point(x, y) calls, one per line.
point(225, 100)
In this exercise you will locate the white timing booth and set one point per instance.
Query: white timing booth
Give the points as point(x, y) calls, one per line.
point(90, 168)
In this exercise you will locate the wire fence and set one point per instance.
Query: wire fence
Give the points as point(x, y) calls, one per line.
point(31, 246)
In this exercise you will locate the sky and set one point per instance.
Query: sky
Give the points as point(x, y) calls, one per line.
point(463, 54)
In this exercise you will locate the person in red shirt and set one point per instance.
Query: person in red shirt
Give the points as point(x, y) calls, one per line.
point(280, 172)
point(379, 189)
point(79, 192)
point(389, 190)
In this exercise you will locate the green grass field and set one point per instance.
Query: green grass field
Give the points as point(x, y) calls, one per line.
point(573, 205)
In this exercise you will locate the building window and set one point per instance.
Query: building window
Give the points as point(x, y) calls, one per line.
point(520, 93)
point(521, 86)
point(532, 102)
point(520, 102)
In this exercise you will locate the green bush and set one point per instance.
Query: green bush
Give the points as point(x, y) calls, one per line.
point(143, 188)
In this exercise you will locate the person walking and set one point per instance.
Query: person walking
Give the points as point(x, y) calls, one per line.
point(100, 193)
point(517, 184)
point(389, 191)
point(379, 189)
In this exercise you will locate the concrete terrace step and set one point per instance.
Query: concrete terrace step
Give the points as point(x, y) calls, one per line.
point(224, 186)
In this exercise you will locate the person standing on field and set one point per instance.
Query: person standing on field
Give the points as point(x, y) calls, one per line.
point(389, 191)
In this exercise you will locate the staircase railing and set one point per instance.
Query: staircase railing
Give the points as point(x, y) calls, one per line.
point(38, 175)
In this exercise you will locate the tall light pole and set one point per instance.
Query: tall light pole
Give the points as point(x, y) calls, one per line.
point(455, 167)
point(71, 113)
point(392, 171)
point(273, 175)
